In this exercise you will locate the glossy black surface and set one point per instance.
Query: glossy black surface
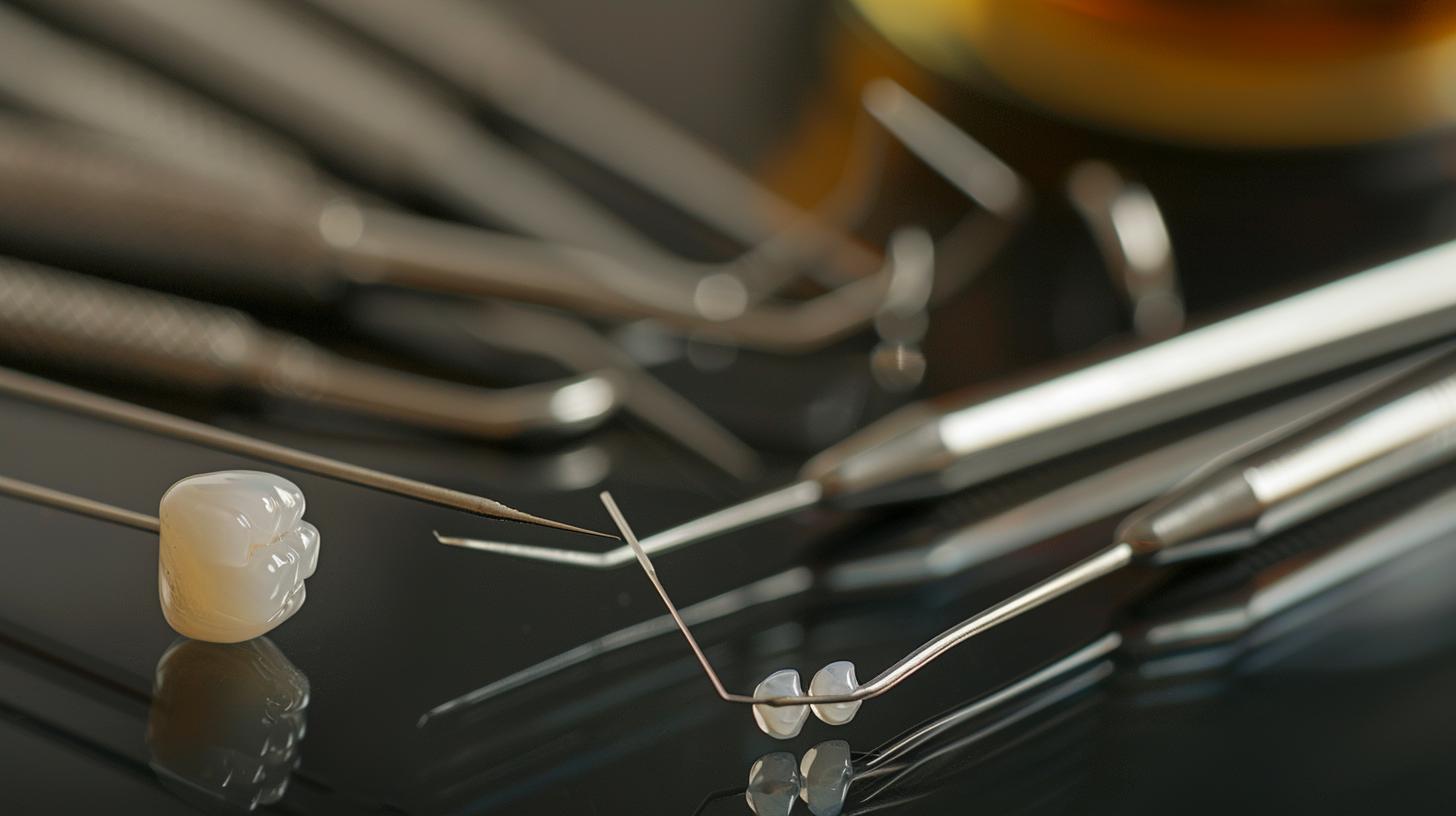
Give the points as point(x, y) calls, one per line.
point(1354, 715)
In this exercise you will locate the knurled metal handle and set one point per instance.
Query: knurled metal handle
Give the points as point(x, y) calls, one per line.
point(83, 323)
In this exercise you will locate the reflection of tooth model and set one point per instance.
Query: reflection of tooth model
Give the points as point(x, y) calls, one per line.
point(226, 721)
point(821, 780)
point(235, 552)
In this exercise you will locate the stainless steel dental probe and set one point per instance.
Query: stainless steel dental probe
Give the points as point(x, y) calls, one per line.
point(71, 191)
point(1344, 453)
point(75, 400)
point(942, 445)
point(1101, 495)
point(1357, 447)
point(81, 322)
point(361, 107)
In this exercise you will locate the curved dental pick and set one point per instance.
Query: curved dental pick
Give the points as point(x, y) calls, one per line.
point(779, 704)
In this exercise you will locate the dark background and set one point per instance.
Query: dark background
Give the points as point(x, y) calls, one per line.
point(1356, 718)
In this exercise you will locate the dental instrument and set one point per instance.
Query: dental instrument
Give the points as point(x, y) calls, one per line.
point(65, 79)
point(66, 398)
point(1128, 228)
point(1269, 485)
point(65, 193)
point(938, 446)
point(365, 109)
point(484, 52)
point(1115, 489)
point(63, 318)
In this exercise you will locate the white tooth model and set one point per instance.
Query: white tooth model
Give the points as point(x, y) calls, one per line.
point(235, 552)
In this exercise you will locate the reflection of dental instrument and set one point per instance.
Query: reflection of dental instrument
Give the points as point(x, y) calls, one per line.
point(67, 398)
point(1239, 611)
point(59, 317)
point(1362, 445)
point(938, 446)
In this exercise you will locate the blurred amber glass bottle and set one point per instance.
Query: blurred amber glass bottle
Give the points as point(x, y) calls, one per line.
point(1227, 73)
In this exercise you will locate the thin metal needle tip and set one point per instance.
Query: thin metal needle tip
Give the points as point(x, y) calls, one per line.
point(506, 513)
point(67, 398)
point(780, 502)
point(647, 567)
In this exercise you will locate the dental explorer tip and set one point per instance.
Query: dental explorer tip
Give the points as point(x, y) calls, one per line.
point(495, 509)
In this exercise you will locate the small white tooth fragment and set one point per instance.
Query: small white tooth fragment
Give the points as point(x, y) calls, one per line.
point(836, 678)
point(826, 771)
point(773, 784)
point(783, 722)
point(234, 554)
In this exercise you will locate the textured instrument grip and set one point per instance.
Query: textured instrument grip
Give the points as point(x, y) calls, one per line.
point(72, 197)
point(63, 318)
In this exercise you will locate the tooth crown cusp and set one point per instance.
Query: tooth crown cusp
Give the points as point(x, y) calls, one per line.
point(234, 555)
point(782, 722)
point(834, 679)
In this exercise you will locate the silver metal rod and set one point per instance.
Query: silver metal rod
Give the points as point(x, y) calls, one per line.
point(78, 401)
point(1103, 563)
point(770, 505)
point(79, 505)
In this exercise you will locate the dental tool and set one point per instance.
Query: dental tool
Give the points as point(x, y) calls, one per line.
point(234, 549)
point(579, 348)
point(75, 400)
point(938, 446)
point(1356, 447)
point(68, 80)
point(381, 118)
point(1128, 228)
point(484, 52)
point(1111, 490)
point(64, 193)
point(68, 319)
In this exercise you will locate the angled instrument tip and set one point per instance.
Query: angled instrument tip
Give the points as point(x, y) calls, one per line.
point(495, 509)
point(772, 505)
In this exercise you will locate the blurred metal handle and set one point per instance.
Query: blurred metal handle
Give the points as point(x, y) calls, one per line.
point(78, 322)
point(67, 194)
point(66, 319)
point(68, 80)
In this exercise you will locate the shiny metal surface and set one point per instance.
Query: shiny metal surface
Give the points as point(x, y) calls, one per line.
point(78, 504)
point(61, 318)
point(1346, 450)
point(1357, 721)
point(56, 395)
